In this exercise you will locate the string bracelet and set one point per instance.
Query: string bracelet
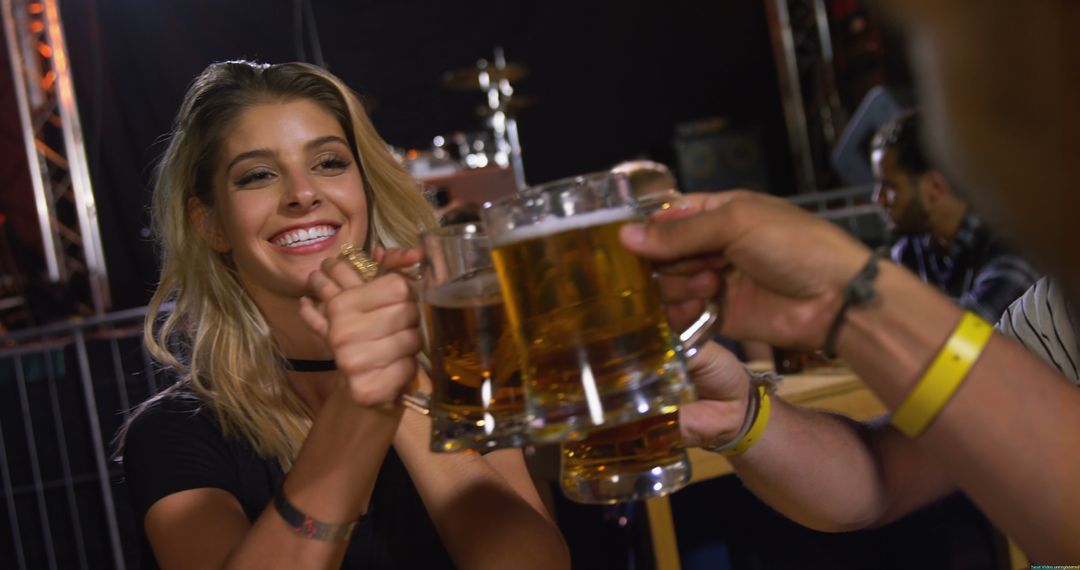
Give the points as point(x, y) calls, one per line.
point(859, 291)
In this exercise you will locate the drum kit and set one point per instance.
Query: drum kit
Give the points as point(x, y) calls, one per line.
point(496, 144)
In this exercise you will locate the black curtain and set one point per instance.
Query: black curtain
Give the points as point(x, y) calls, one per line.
point(611, 80)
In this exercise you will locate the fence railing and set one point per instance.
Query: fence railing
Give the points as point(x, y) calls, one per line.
point(65, 389)
point(852, 208)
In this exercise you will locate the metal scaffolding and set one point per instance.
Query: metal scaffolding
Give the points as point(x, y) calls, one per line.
point(55, 152)
point(802, 48)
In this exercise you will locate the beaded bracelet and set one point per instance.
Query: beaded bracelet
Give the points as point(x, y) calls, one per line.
point(944, 376)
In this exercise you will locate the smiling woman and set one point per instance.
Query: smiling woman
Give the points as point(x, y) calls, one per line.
point(249, 460)
point(290, 192)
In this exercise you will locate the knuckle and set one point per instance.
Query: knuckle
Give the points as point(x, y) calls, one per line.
point(351, 361)
point(411, 341)
point(400, 373)
point(362, 392)
point(408, 314)
point(337, 304)
point(736, 208)
point(397, 285)
point(335, 338)
point(409, 370)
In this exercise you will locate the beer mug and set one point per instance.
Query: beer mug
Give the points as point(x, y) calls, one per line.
point(477, 399)
point(593, 336)
point(629, 462)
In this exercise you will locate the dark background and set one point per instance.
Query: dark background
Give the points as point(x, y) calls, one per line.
point(611, 80)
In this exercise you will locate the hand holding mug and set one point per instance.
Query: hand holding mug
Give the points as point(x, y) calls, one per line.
point(778, 270)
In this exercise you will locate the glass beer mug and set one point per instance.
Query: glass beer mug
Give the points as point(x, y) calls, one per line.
point(595, 346)
point(477, 396)
point(629, 462)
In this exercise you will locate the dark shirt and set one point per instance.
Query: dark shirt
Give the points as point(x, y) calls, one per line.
point(176, 444)
point(976, 269)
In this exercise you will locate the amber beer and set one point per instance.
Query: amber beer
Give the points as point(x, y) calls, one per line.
point(629, 462)
point(477, 392)
point(596, 346)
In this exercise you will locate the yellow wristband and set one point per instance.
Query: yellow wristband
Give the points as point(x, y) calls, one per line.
point(944, 376)
point(756, 429)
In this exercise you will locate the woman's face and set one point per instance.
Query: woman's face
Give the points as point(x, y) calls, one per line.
point(289, 194)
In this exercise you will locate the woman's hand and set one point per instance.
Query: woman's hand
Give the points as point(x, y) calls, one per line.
point(372, 327)
point(778, 270)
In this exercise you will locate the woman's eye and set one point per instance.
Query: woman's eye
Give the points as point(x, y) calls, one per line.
point(332, 164)
point(254, 176)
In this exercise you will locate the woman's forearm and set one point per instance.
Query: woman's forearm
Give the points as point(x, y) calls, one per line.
point(331, 480)
point(483, 521)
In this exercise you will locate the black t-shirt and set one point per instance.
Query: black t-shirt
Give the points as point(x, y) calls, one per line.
point(176, 444)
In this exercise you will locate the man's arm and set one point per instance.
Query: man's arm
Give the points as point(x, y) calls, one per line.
point(822, 470)
point(1007, 437)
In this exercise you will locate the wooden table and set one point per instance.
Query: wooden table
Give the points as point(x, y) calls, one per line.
point(830, 388)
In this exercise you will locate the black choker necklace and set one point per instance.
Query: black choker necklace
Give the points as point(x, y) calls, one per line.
point(304, 365)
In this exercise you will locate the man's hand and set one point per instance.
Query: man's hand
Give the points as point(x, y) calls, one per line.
point(723, 389)
point(778, 271)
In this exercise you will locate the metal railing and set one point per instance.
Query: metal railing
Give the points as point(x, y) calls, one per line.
point(64, 391)
point(852, 208)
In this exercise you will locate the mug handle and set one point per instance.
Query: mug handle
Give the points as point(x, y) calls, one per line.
point(695, 335)
point(413, 398)
point(417, 401)
point(700, 330)
point(653, 202)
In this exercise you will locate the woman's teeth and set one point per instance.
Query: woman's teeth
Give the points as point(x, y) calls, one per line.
point(305, 236)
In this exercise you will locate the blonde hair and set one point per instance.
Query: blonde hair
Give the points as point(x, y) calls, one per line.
point(215, 337)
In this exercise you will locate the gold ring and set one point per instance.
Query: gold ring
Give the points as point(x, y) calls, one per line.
point(363, 264)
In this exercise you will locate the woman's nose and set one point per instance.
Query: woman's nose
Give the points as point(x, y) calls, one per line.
point(301, 194)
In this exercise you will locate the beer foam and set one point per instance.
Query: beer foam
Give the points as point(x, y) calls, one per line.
point(480, 290)
point(553, 225)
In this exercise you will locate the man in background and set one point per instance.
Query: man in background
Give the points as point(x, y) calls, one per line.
point(940, 238)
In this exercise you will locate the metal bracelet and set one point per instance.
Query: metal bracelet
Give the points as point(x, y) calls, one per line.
point(307, 526)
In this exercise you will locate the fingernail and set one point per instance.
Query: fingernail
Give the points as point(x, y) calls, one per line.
point(680, 204)
point(633, 233)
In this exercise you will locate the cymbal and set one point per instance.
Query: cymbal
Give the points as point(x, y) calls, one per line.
point(468, 78)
